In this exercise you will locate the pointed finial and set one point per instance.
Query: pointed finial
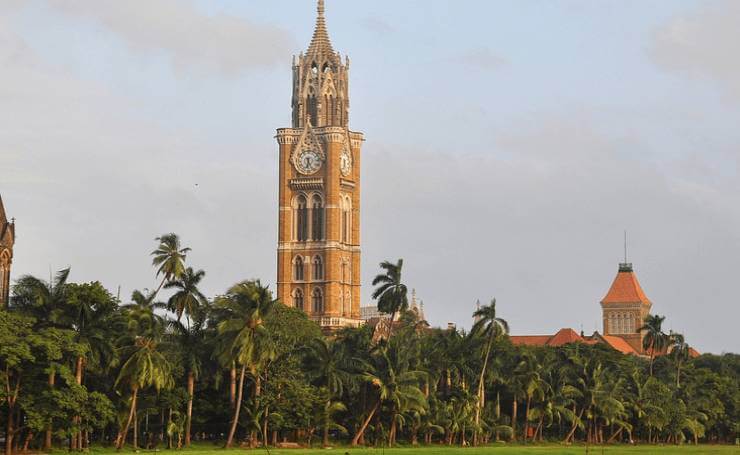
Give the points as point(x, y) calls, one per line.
point(321, 8)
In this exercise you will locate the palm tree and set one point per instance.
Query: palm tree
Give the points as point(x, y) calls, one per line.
point(188, 297)
point(680, 351)
point(244, 307)
point(169, 258)
point(527, 374)
point(490, 327)
point(94, 315)
point(396, 384)
point(325, 361)
point(392, 293)
point(191, 342)
point(146, 365)
point(655, 339)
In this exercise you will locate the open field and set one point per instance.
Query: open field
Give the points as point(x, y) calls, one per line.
point(493, 450)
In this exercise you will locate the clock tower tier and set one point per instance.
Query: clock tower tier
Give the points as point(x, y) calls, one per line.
point(319, 223)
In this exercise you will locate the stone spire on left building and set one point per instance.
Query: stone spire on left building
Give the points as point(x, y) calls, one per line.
point(7, 240)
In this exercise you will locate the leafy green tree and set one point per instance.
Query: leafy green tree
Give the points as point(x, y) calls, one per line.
point(47, 303)
point(246, 305)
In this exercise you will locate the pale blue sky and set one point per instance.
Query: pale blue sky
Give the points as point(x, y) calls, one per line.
point(509, 145)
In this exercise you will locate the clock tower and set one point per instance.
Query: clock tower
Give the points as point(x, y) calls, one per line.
point(319, 195)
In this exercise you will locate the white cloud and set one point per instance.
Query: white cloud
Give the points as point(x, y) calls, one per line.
point(704, 44)
point(191, 37)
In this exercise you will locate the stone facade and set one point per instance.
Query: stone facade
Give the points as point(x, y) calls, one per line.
point(319, 194)
point(625, 307)
point(7, 241)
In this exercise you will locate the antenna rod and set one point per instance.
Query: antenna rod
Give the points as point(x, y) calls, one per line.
point(625, 246)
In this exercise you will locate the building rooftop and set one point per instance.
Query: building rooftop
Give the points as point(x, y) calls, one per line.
point(625, 288)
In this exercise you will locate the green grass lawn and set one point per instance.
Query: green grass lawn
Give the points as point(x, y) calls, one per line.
point(494, 450)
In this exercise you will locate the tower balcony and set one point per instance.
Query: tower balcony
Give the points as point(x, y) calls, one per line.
point(336, 322)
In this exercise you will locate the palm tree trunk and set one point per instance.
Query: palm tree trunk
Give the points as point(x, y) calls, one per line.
point(136, 430)
point(9, 430)
point(526, 418)
point(257, 394)
point(678, 375)
point(169, 424)
point(237, 407)
point(615, 435)
point(390, 326)
point(232, 386)
point(365, 424)
point(513, 419)
point(573, 428)
point(392, 433)
point(189, 418)
point(481, 391)
point(27, 441)
point(49, 429)
point(325, 439)
point(159, 288)
point(132, 411)
point(77, 436)
point(538, 430)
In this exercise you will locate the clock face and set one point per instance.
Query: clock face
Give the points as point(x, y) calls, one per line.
point(345, 163)
point(308, 161)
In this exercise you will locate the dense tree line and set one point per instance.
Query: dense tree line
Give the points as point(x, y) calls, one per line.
point(170, 366)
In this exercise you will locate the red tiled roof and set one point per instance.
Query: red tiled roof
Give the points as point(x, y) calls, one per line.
point(565, 336)
point(626, 289)
point(530, 340)
point(619, 344)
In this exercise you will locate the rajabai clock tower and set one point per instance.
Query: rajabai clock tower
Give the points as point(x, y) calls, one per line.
point(319, 197)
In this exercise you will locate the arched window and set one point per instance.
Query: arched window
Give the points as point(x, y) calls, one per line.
point(346, 277)
point(301, 217)
point(298, 299)
point(346, 227)
point(4, 275)
point(348, 304)
point(318, 269)
point(317, 215)
point(317, 299)
point(2, 280)
point(298, 268)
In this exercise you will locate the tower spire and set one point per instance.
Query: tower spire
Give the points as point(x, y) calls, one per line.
point(320, 43)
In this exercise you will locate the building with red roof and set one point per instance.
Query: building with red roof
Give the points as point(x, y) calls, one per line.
point(625, 307)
